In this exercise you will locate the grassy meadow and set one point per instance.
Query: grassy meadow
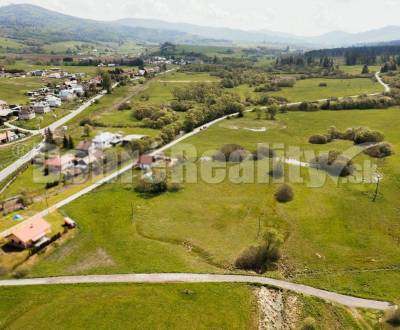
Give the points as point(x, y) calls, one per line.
point(205, 226)
point(175, 306)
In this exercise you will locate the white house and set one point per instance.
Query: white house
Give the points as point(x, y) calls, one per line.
point(78, 90)
point(55, 75)
point(41, 107)
point(53, 101)
point(106, 140)
point(66, 94)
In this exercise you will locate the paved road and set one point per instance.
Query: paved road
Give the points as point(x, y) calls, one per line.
point(205, 278)
point(9, 170)
point(379, 79)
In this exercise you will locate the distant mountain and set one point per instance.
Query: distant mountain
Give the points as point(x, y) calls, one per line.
point(340, 38)
point(218, 33)
point(29, 22)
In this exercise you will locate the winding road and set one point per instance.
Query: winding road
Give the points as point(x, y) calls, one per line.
point(349, 301)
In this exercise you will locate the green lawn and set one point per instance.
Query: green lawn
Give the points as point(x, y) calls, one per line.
point(12, 90)
point(357, 69)
point(171, 306)
point(309, 90)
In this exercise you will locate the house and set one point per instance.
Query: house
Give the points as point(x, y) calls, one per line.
point(53, 101)
point(85, 162)
point(5, 115)
point(26, 113)
point(8, 136)
point(78, 89)
point(32, 233)
point(54, 75)
point(3, 105)
point(145, 162)
point(66, 94)
point(59, 164)
point(106, 140)
point(41, 107)
point(38, 73)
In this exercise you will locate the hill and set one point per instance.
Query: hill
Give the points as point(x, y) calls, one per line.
point(33, 23)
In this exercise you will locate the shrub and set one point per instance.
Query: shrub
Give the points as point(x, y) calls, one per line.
point(365, 135)
point(174, 187)
point(124, 106)
point(263, 257)
point(278, 171)
point(284, 194)
point(323, 84)
point(334, 163)
point(309, 324)
point(393, 318)
point(231, 153)
point(264, 152)
point(181, 106)
point(155, 184)
point(318, 139)
point(380, 150)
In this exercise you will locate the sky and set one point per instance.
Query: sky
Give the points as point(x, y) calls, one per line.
point(301, 17)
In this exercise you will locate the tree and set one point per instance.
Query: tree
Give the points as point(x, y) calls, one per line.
point(272, 111)
point(258, 113)
point(48, 136)
point(106, 82)
point(87, 130)
point(71, 144)
point(365, 70)
point(284, 194)
point(65, 142)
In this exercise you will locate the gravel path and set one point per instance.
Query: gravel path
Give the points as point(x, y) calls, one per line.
point(204, 278)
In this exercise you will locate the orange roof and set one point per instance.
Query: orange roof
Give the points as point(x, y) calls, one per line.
point(32, 231)
point(59, 161)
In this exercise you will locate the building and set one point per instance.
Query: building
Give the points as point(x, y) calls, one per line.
point(26, 113)
point(59, 164)
point(106, 140)
point(8, 136)
point(84, 148)
point(53, 101)
point(32, 233)
point(145, 162)
point(38, 73)
point(41, 107)
point(66, 94)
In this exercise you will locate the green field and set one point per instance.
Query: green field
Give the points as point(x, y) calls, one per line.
point(309, 90)
point(173, 306)
point(160, 306)
point(357, 69)
point(12, 90)
point(334, 244)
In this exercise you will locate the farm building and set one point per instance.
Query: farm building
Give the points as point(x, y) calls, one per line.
point(7, 136)
point(106, 140)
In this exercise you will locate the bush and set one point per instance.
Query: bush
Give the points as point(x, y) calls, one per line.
point(278, 171)
point(309, 324)
point(284, 194)
point(124, 106)
point(381, 150)
point(334, 163)
point(231, 153)
point(174, 187)
point(393, 318)
point(318, 139)
point(156, 184)
point(264, 152)
point(263, 257)
point(323, 84)
point(365, 135)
